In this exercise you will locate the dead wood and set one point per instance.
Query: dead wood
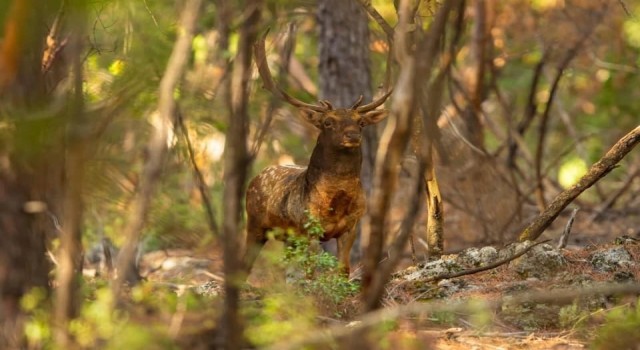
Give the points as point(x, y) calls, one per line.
point(446, 276)
point(600, 169)
point(562, 243)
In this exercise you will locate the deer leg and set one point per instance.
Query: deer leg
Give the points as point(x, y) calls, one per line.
point(345, 242)
point(256, 238)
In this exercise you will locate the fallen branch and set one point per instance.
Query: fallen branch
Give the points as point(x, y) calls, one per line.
point(446, 276)
point(558, 297)
point(597, 171)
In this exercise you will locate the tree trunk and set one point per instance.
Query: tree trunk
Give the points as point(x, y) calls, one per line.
point(236, 163)
point(30, 177)
point(344, 69)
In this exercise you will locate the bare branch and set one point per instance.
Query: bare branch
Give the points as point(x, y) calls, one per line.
point(567, 230)
point(388, 30)
point(600, 169)
point(202, 185)
point(446, 276)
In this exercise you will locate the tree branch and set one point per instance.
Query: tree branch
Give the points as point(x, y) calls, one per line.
point(600, 169)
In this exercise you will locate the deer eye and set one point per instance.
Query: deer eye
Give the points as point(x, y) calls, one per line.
point(362, 123)
point(328, 123)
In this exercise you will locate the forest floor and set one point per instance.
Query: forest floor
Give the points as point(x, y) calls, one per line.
point(589, 262)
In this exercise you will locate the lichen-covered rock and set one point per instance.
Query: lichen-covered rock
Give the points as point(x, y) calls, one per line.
point(611, 259)
point(624, 277)
point(542, 261)
point(209, 289)
point(429, 269)
point(475, 257)
point(449, 287)
point(512, 249)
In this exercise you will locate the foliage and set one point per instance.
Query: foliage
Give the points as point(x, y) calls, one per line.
point(322, 276)
point(620, 330)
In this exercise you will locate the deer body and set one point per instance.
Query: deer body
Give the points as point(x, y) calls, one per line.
point(328, 189)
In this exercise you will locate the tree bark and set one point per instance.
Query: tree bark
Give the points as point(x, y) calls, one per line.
point(30, 178)
point(236, 163)
point(416, 68)
point(344, 70)
point(69, 268)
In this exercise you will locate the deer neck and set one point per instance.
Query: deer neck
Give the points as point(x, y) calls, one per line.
point(339, 164)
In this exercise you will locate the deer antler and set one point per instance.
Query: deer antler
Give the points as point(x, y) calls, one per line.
point(269, 84)
point(357, 103)
point(373, 105)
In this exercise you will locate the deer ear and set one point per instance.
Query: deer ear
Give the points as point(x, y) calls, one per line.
point(312, 117)
point(375, 116)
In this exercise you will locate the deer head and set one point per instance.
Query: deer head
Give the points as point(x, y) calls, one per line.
point(340, 127)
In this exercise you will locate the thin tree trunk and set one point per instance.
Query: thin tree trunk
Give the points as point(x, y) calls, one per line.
point(416, 68)
point(70, 255)
point(344, 69)
point(236, 163)
point(161, 121)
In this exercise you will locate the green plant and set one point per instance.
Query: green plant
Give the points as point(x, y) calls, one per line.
point(572, 316)
point(620, 330)
point(321, 274)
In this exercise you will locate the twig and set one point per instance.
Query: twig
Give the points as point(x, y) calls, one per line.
point(625, 8)
point(614, 197)
point(567, 230)
point(600, 169)
point(446, 276)
point(202, 185)
point(569, 56)
point(366, 4)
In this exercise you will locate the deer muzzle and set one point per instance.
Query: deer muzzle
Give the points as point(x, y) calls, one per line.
point(352, 139)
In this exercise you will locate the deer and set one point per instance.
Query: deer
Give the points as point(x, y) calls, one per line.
point(328, 189)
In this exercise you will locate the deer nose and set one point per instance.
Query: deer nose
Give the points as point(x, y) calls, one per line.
point(353, 136)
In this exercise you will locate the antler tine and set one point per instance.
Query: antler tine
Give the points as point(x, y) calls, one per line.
point(267, 80)
point(373, 105)
point(327, 104)
point(358, 102)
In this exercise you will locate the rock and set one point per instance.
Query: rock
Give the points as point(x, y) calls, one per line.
point(624, 277)
point(430, 269)
point(542, 261)
point(475, 257)
point(448, 287)
point(611, 259)
point(625, 239)
point(512, 249)
point(209, 289)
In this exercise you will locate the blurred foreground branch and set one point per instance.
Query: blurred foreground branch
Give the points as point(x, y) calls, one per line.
point(161, 121)
point(558, 297)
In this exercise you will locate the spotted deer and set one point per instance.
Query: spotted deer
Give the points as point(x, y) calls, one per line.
point(328, 189)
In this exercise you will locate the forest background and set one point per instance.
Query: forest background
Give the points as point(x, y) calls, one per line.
point(136, 124)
